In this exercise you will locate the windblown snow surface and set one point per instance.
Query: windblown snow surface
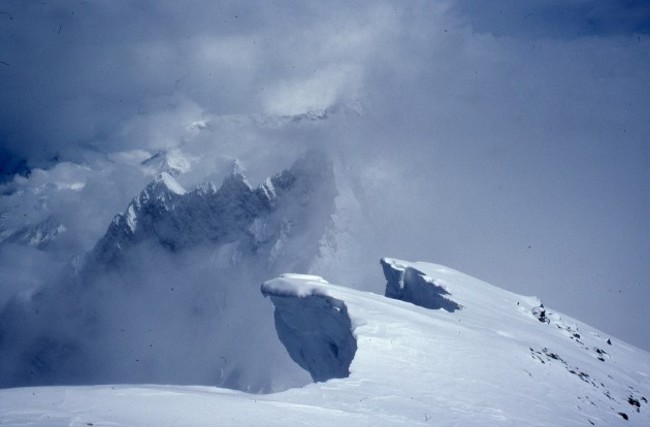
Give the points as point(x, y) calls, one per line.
point(496, 358)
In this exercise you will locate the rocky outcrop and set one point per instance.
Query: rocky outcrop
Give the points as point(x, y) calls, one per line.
point(409, 284)
point(315, 328)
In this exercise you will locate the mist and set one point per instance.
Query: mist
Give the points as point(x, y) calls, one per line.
point(508, 141)
point(154, 304)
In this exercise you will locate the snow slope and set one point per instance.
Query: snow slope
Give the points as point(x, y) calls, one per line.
point(498, 359)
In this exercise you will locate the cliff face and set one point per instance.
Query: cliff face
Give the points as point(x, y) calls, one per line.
point(314, 327)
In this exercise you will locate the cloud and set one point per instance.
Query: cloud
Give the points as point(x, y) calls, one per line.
point(319, 92)
point(79, 71)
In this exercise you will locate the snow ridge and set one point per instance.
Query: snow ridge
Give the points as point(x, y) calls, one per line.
point(493, 362)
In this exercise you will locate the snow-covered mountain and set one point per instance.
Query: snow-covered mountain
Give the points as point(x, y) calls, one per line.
point(255, 219)
point(170, 295)
point(493, 360)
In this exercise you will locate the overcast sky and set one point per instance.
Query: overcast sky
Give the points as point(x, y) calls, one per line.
point(506, 139)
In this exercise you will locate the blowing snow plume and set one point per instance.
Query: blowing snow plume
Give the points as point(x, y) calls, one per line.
point(169, 294)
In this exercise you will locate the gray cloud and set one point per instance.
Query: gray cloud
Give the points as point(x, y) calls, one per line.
point(79, 71)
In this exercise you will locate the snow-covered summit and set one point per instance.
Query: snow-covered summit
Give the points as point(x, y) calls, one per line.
point(382, 361)
point(429, 361)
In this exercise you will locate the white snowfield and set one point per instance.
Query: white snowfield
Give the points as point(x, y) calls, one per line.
point(500, 359)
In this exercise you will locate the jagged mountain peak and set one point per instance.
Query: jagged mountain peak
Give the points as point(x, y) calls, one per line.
point(236, 179)
point(162, 190)
point(265, 216)
point(237, 168)
point(169, 183)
